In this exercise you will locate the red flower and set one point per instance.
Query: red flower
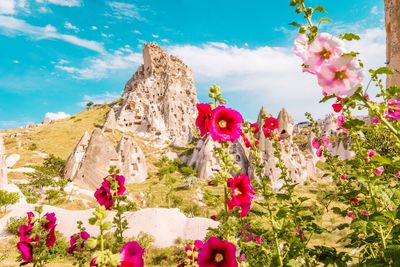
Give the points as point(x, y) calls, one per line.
point(112, 185)
point(217, 253)
point(26, 251)
point(268, 133)
point(225, 124)
point(255, 127)
point(242, 194)
point(337, 107)
point(271, 123)
point(74, 238)
point(203, 118)
point(131, 255)
point(93, 262)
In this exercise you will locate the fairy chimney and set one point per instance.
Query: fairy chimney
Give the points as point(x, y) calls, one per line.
point(392, 22)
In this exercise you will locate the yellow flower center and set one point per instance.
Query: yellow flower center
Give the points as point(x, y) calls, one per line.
point(325, 54)
point(341, 75)
point(219, 257)
point(222, 124)
point(237, 192)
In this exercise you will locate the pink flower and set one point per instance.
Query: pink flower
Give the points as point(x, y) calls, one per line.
point(203, 118)
point(351, 215)
point(131, 255)
point(397, 174)
point(258, 239)
point(216, 252)
point(370, 155)
point(271, 123)
point(322, 49)
point(93, 262)
point(297, 231)
point(301, 45)
point(325, 141)
point(364, 213)
point(343, 177)
point(197, 245)
point(378, 171)
point(316, 143)
point(83, 235)
point(225, 124)
point(341, 76)
point(319, 153)
point(393, 111)
point(337, 107)
point(268, 133)
point(341, 119)
point(26, 251)
point(376, 120)
point(242, 193)
point(242, 257)
point(104, 195)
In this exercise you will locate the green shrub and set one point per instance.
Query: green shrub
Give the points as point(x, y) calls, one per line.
point(14, 223)
point(8, 198)
point(32, 146)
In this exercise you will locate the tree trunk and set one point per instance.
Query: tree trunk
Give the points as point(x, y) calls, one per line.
point(392, 22)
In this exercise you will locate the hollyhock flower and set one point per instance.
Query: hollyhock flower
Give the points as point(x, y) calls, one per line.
point(131, 255)
point(325, 141)
point(258, 239)
point(74, 238)
point(297, 231)
point(249, 237)
point(319, 153)
point(242, 193)
point(203, 118)
point(364, 213)
point(341, 119)
point(316, 143)
point(371, 153)
point(355, 200)
point(301, 45)
point(378, 171)
point(255, 127)
point(268, 133)
point(271, 123)
point(217, 253)
point(341, 76)
point(397, 174)
point(51, 238)
point(337, 107)
point(50, 226)
point(322, 49)
point(246, 141)
point(376, 120)
point(242, 257)
point(225, 124)
point(26, 251)
point(213, 217)
point(393, 111)
point(104, 195)
point(25, 233)
point(93, 262)
point(343, 177)
point(351, 215)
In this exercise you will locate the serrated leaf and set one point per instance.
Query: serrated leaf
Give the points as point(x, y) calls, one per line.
point(349, 36)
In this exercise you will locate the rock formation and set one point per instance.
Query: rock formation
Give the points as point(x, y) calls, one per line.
point(92, 157)
point(205, 161)
point(3, 165)
point(392, 18)
point(159, 99)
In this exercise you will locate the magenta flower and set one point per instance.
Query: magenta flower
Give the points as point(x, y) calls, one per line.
point(341, 76)
point(397, 174)
point(316, 143)
point(364, 213)
point(351, 215)
point(371, 153)
point(203, 118)
point(131, 255)
point(26, 251)
point(325, 141)
point(225, 124)
point(343, 177)
point(378, 171)
point(322, 49)
point(258, 239)
point(298, 232)
point(217, 253)
point(113, 185)
point(83, 235)
point(393, 111)
point(242, 257)
point(319, 153)
point(93, 262)
point(255, 127)
point(242, 193)
point(376, 120)
point(341, 119)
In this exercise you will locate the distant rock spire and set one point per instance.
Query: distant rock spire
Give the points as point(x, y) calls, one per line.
point(3, 165)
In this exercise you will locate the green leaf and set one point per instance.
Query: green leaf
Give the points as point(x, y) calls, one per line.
point(326, 98)
point(349, 36)
point(327, 20)
point(295, 24)
point(91, 243)
point(320, 9)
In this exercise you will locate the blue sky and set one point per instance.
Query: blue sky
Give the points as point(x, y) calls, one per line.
point(57, 55)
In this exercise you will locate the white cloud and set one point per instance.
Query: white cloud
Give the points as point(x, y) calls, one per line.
point(15, 61)
point(7, 7)
point(99, 67)
point(68, 25)
point(107, 97)
point(137, 32)
point(53, 116)
point(155, 35)
point(11, 26)
point(44, 10)
point(124, 11)
point(66, 3)
point(165, 40)
point(93, 28)
point(374, 10)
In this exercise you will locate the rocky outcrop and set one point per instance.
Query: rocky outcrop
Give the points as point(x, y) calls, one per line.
point(91, 159)
point(3, 165)
point(286, 124)
point(206, 162)
point(392, 22)
point(159, 99)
